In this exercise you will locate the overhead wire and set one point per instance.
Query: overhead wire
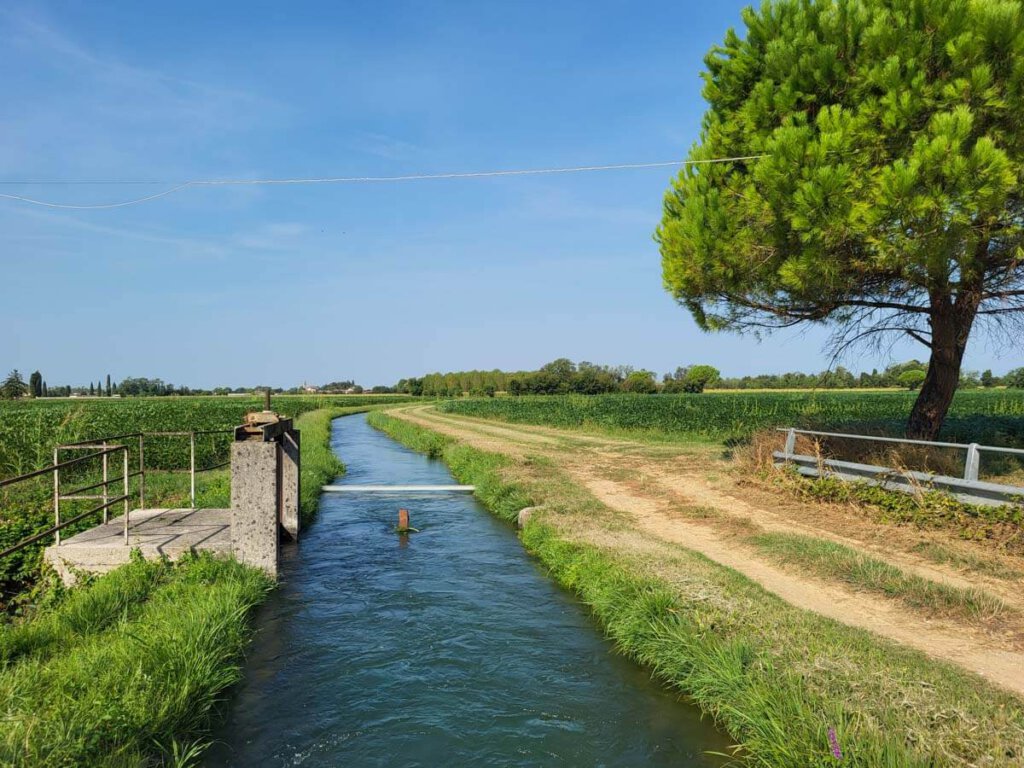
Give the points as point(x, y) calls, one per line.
point(342, 180)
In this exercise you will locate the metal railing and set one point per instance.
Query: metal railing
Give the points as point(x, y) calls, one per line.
point(55, 470)
point(968, 487)
point(103, 448)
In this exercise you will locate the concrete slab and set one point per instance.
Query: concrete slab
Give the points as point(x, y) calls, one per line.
point(155, 532)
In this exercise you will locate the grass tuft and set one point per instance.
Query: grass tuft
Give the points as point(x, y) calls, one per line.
point(836, 561)
point(127, 665)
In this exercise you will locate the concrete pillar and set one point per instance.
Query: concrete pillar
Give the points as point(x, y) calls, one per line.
point(254, 504)
point(288, 482)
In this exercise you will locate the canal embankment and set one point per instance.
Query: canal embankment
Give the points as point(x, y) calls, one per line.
point(792, 687)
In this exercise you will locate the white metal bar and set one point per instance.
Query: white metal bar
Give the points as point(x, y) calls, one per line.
point(875, 437)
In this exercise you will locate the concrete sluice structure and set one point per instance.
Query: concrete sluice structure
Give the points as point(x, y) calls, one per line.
point(264, 512)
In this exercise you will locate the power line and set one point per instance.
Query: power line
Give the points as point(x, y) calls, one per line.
point(344, 180)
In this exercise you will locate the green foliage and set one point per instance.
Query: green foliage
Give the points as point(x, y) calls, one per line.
point(30, 429)
point(883, 187)
point(13, 387)
point(911, 379)
point(892, 145)
point(35, 384)
point(640, 383)
point(985, 416)
point(1015, 378)
point(693, 379)
point(126, 668)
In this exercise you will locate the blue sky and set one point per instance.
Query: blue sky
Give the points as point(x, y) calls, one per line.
point(238, 285)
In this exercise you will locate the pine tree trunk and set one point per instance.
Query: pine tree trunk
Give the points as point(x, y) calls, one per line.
point(951, 325)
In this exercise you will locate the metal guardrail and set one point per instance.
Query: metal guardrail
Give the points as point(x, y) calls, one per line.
point(102, 448)
point(967, 488)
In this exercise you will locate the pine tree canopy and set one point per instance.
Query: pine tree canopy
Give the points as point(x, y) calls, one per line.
point(887, 196)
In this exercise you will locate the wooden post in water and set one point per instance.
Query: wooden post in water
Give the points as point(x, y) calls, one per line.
point(403, 521)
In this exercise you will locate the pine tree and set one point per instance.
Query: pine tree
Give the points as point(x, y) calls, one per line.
point(13, 387)
point(92, 389)
point(880, 189)
point(35, 384)
point(109, 390)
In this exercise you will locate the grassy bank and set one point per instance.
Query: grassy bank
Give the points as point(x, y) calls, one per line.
point(831, 560)
point(996, 527)
point(777, 678)
point(126, 671)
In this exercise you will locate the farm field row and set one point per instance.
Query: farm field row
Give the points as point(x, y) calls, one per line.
point(30, 428)
point(987, 416)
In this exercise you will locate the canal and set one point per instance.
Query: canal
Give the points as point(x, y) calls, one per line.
point(446, 647)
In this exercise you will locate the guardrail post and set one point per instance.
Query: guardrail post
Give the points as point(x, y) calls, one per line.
point(192, 468)
point(106, 495)
point(56, 495)
point(142, 473)
point(972, 464)
point(127, 501)
point(790, 442)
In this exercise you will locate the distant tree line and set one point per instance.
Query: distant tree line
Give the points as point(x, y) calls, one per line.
point(908, 375)
point(14, 387)
point(563, 376)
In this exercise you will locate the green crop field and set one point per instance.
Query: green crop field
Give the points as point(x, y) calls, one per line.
point(988, 416)
point(29, 429)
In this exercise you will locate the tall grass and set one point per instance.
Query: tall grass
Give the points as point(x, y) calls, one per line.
point(776, 677)
point(127, 670)
point(832, 560)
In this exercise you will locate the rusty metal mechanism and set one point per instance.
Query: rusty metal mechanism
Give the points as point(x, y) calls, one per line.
point(264, 425)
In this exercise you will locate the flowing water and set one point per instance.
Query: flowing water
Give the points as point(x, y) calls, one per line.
point(447, 647)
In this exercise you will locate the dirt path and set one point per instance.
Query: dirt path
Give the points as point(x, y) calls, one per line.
point(659, 486)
